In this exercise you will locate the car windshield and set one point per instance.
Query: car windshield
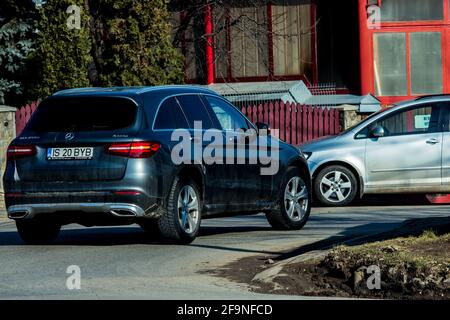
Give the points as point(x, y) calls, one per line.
point(83, 114)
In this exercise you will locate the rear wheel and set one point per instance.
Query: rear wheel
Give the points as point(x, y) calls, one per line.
point(181, 221)
point(38, 231)
point(294, 203)
point(335, 186)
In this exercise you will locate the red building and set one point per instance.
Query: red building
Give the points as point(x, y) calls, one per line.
point(393, 49)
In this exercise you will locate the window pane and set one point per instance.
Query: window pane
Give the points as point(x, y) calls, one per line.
point(170, 116)
point(194, 109)
point(186, 45)
point(249, 39)
point(420, 120)
point(426, 63)
point(83, 114)
point(228, 117)
point(291, 23)
point(412, 10)
point(390, 64)
point(220, 41)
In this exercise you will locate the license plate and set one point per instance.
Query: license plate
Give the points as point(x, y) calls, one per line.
point(76, 153)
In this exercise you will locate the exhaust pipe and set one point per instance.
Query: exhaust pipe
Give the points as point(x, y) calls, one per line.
point(18, 214)
point(123, 211)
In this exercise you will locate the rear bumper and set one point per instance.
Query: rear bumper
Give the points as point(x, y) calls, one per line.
point(29, 211)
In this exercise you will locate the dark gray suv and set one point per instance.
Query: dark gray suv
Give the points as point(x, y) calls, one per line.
point(104, 156)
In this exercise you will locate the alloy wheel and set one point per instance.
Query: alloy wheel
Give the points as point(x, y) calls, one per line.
point(188, 209)
point(335, 186)
point(296, 199)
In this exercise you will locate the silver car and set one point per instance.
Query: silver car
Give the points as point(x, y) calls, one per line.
point(398, 150)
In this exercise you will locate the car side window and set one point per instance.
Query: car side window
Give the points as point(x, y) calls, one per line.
point(170, 116)
point(227, 116)
point(195, 110)
point(422, 119)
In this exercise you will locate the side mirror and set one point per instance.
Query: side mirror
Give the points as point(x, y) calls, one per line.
point(263, 128)
point(377, 132)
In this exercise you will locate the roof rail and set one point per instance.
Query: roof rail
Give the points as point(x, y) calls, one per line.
point(433, 96)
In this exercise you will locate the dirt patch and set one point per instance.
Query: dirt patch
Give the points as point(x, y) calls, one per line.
point(410, 268)
point(414, 267)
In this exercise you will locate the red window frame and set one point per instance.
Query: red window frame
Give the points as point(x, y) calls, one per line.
point(407, 27)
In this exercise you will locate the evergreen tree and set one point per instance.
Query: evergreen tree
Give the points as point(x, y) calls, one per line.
point(136, 48)
point(63, 51)
point(16, 41)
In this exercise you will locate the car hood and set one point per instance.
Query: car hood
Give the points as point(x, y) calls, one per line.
point(321, 143)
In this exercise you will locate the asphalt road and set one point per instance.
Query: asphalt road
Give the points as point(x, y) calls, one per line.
point(121, 262)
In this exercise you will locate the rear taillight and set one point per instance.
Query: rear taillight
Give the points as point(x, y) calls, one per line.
point(133, 149)
point(13, 195)
point(17, 152)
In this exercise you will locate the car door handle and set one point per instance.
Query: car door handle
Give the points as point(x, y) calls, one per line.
point(433, 141)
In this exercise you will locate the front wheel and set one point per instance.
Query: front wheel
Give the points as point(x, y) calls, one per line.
point(37, 231)
point(335, 186)
point(294, 203)
point(181, 221)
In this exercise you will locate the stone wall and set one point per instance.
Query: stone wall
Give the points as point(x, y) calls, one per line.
point(350, 116)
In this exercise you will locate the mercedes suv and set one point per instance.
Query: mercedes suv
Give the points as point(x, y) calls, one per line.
point(111, 156)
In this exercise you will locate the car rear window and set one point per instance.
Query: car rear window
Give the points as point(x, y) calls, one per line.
point(83, 114)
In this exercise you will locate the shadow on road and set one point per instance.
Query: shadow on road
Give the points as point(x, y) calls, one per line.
point(117, 236)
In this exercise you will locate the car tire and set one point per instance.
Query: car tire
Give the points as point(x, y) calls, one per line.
point(293, 211)
point(335, 186)
point(38, 231)
point(182, 218)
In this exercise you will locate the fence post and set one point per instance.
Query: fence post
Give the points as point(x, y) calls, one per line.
point(310, 123)
point(282, 121)
point(304, 123)
point(299, 123)
point(294, 124)
point(326, 121)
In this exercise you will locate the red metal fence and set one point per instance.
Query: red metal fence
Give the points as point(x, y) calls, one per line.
point(296, 123)
point(23, 114)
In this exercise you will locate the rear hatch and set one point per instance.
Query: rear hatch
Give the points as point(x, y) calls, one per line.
point(71, 135)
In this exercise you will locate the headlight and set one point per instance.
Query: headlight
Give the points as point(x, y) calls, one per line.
point(307, 155)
